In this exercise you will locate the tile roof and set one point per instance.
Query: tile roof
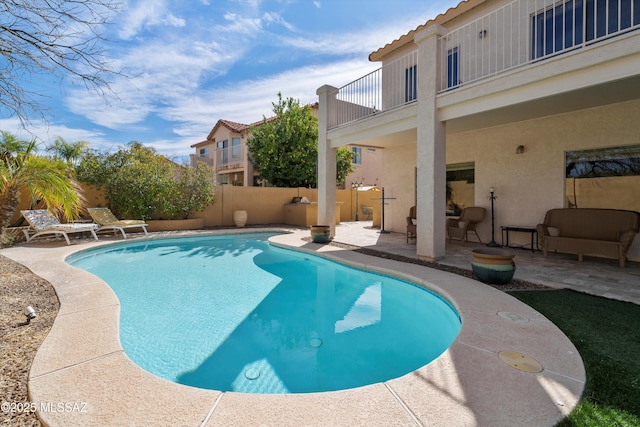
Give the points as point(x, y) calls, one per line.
point(239, 127)
point(453, 12)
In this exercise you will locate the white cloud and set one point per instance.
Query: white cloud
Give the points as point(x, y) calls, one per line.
point(146, 14)
point(198, 115)
point(46, 133)
point(175, 70)
point(274, 18)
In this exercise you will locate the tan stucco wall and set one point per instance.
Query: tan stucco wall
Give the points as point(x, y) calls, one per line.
point(264, 205)
point(528, 184)
point(268, 205)
point(398, 171)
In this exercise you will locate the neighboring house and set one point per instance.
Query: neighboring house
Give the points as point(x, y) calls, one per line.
point(537, 99)
point(367, 163)
point(225, 150)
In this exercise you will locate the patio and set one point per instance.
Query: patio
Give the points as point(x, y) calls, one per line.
point(595, 276)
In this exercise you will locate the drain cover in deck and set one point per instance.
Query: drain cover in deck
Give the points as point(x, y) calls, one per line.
point(520, 361)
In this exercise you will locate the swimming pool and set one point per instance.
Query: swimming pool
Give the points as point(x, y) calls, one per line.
point(233, 313)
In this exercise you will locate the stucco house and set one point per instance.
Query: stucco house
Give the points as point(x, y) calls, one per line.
point(537, 99)
point(225, 150)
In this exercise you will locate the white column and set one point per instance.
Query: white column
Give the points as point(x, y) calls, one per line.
point(326, 162)
point(431, 150)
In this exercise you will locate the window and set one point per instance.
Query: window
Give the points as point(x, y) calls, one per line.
point(603, 178)
point(356, 152)
point(605, 17)
point(204, 152)
point(557, 28)
point(223, 155)
point(460, 187)
point(410, 83)
point(453, 70)
point(574, 22)
point(235, 149)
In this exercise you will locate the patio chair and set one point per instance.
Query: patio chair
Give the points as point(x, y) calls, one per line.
point(457, 228)
point(108, 221)
point(41, 222)
point(411, 224)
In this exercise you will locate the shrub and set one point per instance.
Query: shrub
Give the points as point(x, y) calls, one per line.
point(139, 183)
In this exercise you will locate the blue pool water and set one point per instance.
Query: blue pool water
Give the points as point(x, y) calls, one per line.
point(233, 313)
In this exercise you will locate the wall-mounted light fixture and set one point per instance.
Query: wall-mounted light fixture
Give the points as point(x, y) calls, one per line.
point(520, 149)
point(482, 34)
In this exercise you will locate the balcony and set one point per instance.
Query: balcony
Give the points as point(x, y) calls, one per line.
point(194, 158)
point(393, 85)
point(520, 34)
point(524, 32)
point(229, 158)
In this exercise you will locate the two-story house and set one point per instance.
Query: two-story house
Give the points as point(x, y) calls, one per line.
point(538, 100)
point(225, 150)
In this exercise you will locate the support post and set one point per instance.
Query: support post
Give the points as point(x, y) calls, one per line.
point(326, 161)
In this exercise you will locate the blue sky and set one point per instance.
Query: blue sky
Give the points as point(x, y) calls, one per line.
point(198, 61)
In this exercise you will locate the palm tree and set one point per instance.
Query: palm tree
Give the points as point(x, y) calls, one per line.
point(42, 178)
point(70, 152)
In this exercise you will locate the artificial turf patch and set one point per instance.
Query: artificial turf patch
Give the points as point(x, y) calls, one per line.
point(607, 335)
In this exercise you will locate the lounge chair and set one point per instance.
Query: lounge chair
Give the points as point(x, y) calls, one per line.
point(41, 222)
point(108, 221)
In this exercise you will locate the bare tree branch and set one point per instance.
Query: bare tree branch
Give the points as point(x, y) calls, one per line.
point(58, 39)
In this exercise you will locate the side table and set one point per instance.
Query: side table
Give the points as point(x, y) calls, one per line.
point(506, 229)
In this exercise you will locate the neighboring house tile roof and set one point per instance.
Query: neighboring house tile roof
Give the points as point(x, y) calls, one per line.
point(238, 127)
point(454, 12)
point(233, 126)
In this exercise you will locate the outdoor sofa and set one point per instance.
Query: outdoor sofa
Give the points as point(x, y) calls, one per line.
point(606, 233)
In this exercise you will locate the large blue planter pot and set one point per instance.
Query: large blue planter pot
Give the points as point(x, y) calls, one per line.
point(321, 233)
point(493, 266)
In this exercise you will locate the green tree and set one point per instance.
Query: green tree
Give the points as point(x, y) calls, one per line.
point(140, 183)
point(44, 179)
point(344, 160)
point(195, 190)
point(70, 152)
point(284, 148)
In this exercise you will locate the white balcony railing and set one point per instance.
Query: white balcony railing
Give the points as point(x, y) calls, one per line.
point(230, 157)
point(520, 33)
point(194, 158)
point(526, 31)
point(392, 85)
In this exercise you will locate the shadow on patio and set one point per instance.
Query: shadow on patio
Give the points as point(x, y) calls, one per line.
point(596, 276)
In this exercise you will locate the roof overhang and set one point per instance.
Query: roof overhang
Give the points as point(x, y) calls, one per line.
point(442, 19)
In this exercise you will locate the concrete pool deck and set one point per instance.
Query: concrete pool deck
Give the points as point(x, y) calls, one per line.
point(81, 362)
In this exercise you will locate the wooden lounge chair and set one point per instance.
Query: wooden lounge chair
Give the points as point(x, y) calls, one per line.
point(108, 221)
point(41, 222)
